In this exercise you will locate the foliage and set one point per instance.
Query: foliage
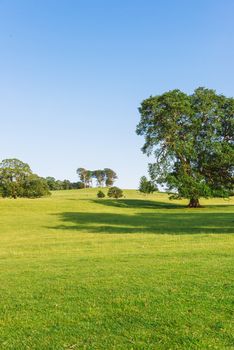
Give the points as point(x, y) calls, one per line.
point(110, 177)
point(11, 189)
point(146, 186)
point(51, 182)
point(17, 180)
point(78, 185)
point(55, 185)
point(192, 138)
point(100, 194)
point(99, 175)
point(84, 176)
point(105, 177)
point(115, 192)
point(66, 185)
point(35, 187)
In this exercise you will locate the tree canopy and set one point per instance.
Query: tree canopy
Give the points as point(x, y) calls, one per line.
point(192, 139)
point(103, 177)
point(146, 186)
point(115, 192)
point(110, 177)
point(17, 180)
point(55, 185)
point(101, 194)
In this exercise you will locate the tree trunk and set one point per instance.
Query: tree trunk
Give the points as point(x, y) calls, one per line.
point(194, 203)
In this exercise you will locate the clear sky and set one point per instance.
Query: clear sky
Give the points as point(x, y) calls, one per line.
point(73, 73)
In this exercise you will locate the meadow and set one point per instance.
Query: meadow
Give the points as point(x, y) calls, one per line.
point(141, 272)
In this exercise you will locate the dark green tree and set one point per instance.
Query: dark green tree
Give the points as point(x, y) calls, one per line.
point(115, 192)
point(85, 176)
point(146, 186)
point(100, 194)
point(17, 180)
point(192, 139)
point(78, 185)
point(99, 175)
point(110, 177)
point(66, 185)
point(89, 178)
point(62, 185)
point(35, 187)
point(105, 177)
point(51, 182)
point(12, 176)
point(59, 185)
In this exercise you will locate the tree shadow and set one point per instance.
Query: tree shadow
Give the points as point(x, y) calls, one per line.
point(150, 204)
point(148, 223)
point(137, 203)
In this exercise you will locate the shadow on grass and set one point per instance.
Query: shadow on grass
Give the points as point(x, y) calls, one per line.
point(137, 203)
point(147, 223)
point(147, 204)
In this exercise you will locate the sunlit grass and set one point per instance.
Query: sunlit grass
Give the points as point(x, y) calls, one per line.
point(137, 273)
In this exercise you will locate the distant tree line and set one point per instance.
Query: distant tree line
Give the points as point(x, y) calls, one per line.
point(55, 185)
point(103, 178)
point(18, 180)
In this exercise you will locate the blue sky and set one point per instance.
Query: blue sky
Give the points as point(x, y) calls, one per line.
point(73, 73)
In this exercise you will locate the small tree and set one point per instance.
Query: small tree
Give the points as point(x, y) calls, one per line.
point(110, 176)
point(146, 186)
point(115, 192)
point(100, 194)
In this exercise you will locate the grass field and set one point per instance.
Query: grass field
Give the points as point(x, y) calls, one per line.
point(136, 273)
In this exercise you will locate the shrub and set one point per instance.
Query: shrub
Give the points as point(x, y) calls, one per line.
point(100, 194)
point(115, 192)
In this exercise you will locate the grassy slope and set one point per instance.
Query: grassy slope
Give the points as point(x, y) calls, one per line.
point(138, 273)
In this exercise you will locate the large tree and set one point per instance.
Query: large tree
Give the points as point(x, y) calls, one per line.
point(192, 139)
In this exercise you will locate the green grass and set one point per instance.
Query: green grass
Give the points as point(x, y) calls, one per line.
point(137, 273)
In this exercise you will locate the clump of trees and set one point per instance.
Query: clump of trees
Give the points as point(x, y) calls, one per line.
point(18, 180)
point(147, 186)
point(105, 177)
point(115, 192)
point(192, 139)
